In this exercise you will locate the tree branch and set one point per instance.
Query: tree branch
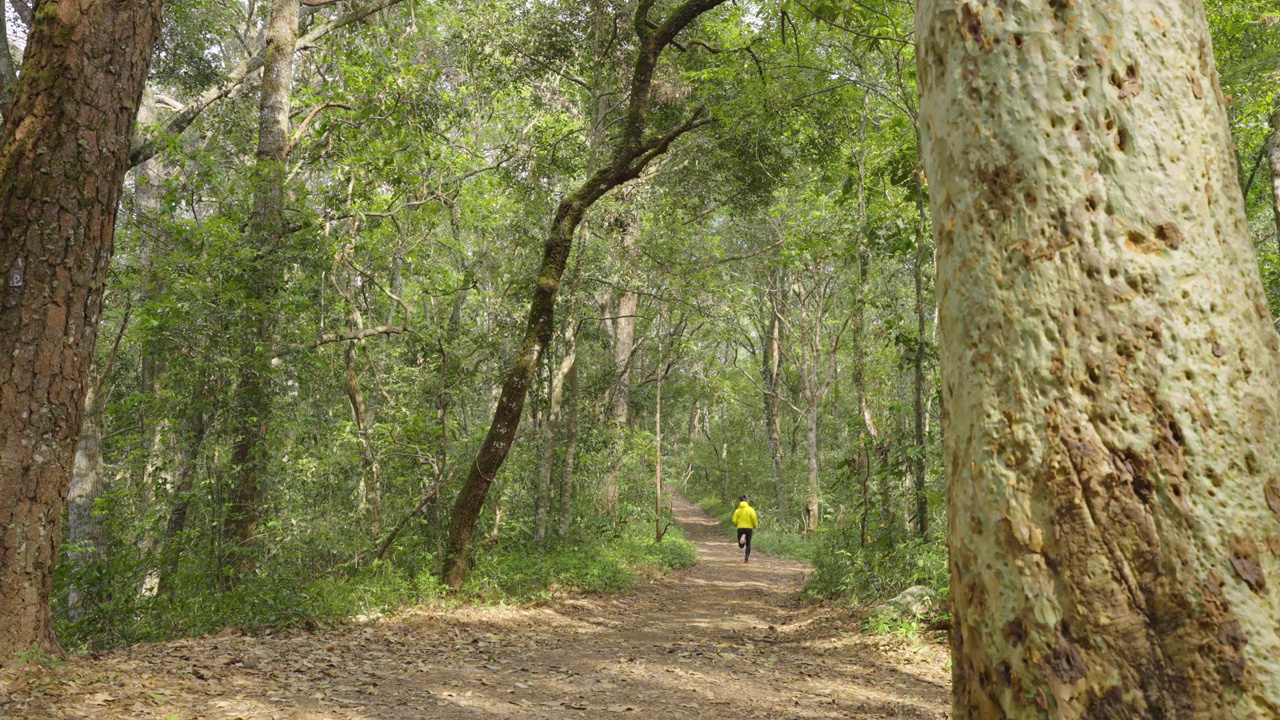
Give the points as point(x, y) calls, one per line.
point(144, 148)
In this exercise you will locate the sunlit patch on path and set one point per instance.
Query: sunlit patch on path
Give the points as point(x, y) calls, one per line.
point(718, 640)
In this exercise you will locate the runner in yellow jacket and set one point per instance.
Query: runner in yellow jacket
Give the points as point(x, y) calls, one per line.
point(744, 518)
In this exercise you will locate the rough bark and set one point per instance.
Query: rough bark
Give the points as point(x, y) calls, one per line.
point(266, 231)
point(1110, 370)
point(628, 158)
point(64, 153)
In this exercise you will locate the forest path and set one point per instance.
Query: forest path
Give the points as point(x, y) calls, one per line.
point(720, 639)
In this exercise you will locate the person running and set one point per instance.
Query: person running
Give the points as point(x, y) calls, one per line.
point(744, 518)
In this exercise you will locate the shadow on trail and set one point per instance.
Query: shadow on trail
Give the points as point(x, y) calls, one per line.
point(717, 640)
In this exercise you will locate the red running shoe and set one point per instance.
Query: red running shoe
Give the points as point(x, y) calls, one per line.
point(746, 560)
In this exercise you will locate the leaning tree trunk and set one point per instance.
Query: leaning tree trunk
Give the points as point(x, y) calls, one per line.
point(64, 152)
point(266, 231)
point(1109, 367)
point(631, 154)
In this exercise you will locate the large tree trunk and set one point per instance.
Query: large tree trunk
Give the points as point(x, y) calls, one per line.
point(64, 152)
point(266, 231)
point(1109, 366)
point(632, 153)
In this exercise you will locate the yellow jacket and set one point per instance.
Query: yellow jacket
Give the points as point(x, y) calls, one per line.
point(745, 516)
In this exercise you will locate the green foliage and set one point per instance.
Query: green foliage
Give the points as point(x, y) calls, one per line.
point(846, 569)
point(590, 564)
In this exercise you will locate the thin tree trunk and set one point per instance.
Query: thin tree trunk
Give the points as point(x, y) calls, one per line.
point(657, 444)
point(266, 232)
point(8, 68)
point(170, 550)
point(771, 372)
point(87, 485)
point(917, 377)
point(570, 453)
point(542, 503)
point(369, 491)
point(623, 345)
point(1273, 164)
point(64, 151)
point(1110, 370)
point(812, 508)
point(630, 156)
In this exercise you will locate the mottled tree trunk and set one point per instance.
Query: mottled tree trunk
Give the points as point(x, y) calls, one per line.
point(253, 403)
point(1109, 366)
point(64, 152)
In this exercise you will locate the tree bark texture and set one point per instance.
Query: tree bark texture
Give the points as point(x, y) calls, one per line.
point(633, 152)
point(64, 153)
point(1109, 367)
point(266, 231)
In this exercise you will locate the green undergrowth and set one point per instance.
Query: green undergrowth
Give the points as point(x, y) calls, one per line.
point(768, 538)
point(117, 611)
point(593, 565)
point(846, 570)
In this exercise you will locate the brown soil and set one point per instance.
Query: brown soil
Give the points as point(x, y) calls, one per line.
point(720, 639)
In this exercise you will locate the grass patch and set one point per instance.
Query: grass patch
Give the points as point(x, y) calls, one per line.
point(523, 572)
point(115, 613)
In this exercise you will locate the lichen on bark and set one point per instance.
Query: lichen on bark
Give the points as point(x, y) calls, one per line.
point(1109, 366)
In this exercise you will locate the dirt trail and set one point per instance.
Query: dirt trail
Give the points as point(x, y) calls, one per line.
point(718, 640)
